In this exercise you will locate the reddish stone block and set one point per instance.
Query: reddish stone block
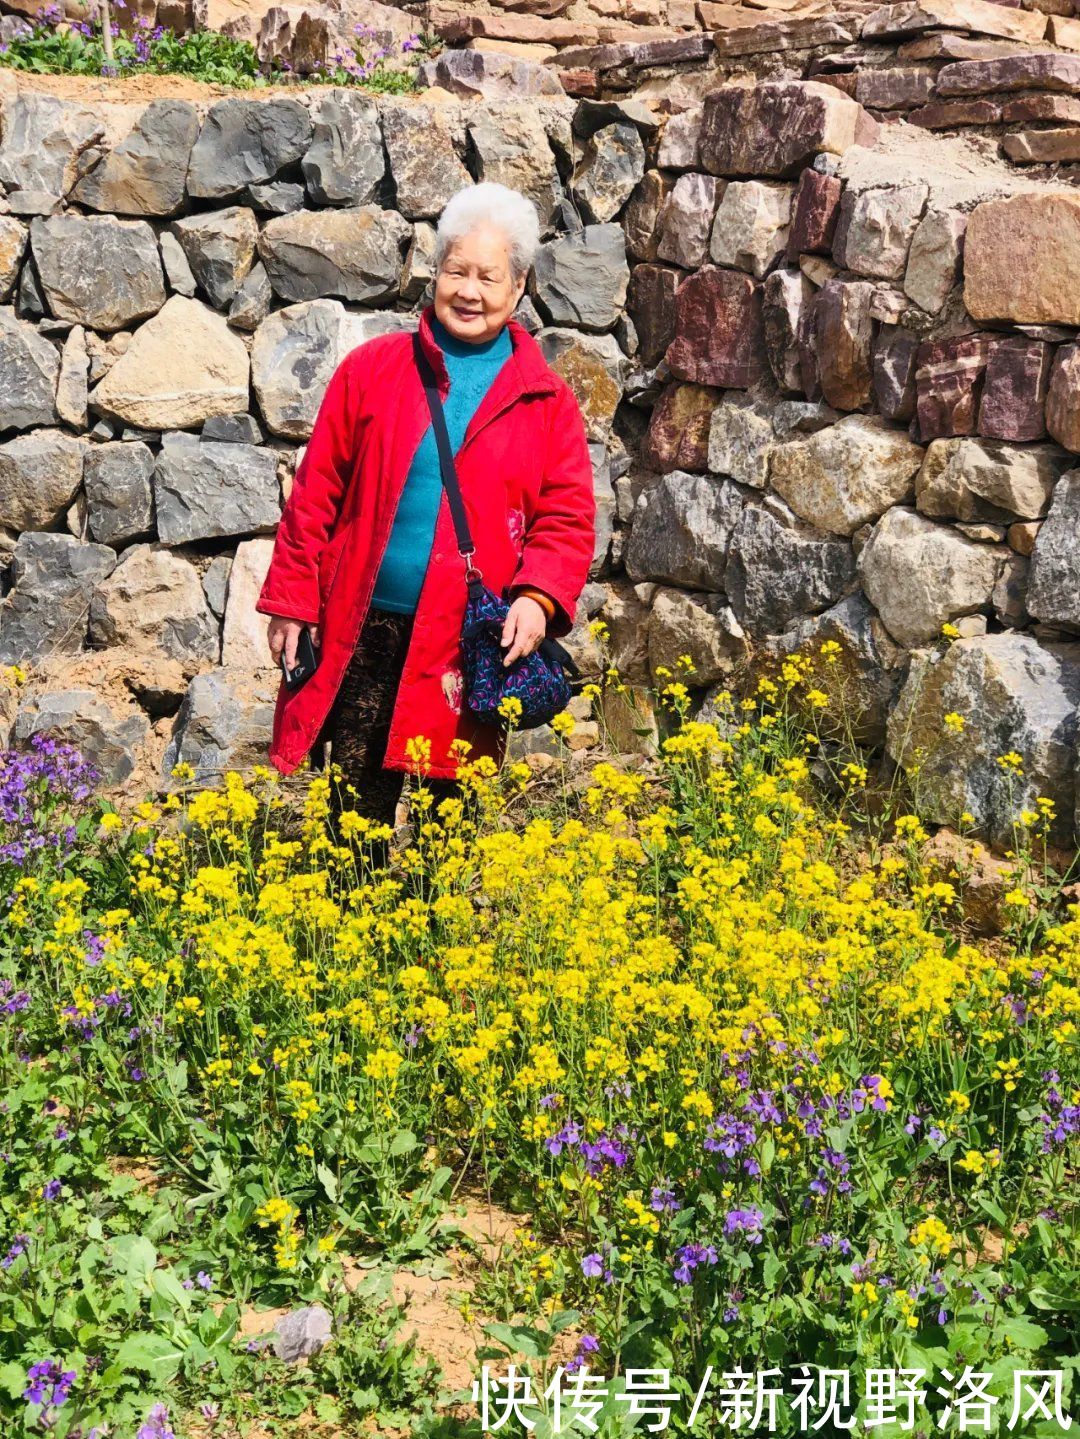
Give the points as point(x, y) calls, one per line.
point(1014, 389)
point(895, 352)
point(1047, 70)
point(678, 436)
point(651, 304)
point(845, 338)
point(582, 84)
point(1041, 107)
point(786, 296)
point(953, 114)
point(948, 386)
point(813, 221)
point(1063, 398)
point(718, 330)
point(775, 128)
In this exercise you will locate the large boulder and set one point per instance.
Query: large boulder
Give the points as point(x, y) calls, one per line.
point(779, 568)
point(29, 372)
point(207, 488)
point(847, 474)
point(719, 338)
point(219, 246)
point(354, 252)
point(1043, 228)
point(582, 279)
point(699, 625)
point(512, 148)
point(224, 723)
point(1014, 694)
point(119, 495)
point(681, 530)
point(98, 271)
point(345, 163)
point(46, 143)
point(40, 474)
point(988, 481)
point(152, 604)
point(46, 609)
point(182, 367)
point(111, 739)
point(777, 127)
point(919, 575)
point(144, 173)
point(246, 142)
point(424, 161)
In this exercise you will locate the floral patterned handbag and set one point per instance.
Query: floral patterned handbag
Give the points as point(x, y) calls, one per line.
point(540, 682)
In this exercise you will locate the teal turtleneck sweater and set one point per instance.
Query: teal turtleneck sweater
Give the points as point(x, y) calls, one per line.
point(472, 368)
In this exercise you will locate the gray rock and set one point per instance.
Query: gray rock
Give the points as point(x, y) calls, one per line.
point(875, 229)
point(39, 476)
point(246, 142)
point(1054, 590)
point(144, 174)
point(786, 298)
point(277, 197)
point(604, 495)
point(933, 264)
point(988, 480)
point(685, 222)
point(1015, 693)
point(699, 625)
point(225, 722)
point(72, 388)
point(418, 269)
point(641, 220)
point(423, 161)
point(45, 143)
point(594, 367)
point(220, 249)
point(475, 74)
point(582, 279)
point(204, 488)
point(215, 582)
point(294, 352)
point(864, 677)
point(177, 270)
point(243, 635)
point(251, 303)
point(239, 429)
point(1010, 595)
point(119, 497)
point(98, 271)
point(846, 475)
point(681, 531)
point(512, 148)
point(153, 604)
point(611, 165)
point(355, 253)
point(46, 609)
point(679, 142)
point(919, 575)
point(29, 371)
point(742, 438)
point(779, 569)
point(751, 226)
point(345, 164)
point(111, 741)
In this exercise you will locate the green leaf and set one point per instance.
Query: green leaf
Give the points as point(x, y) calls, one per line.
point(403, 1142)
point(1024, 1334)
point(772, 1269)
point(1041, 1297)
point(328, 1179)
point(148, 1354)
point(12, 1379)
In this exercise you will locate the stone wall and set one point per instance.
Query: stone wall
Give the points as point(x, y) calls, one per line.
point(825, 397)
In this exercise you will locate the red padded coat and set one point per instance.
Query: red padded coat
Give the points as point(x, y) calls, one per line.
point(526, 479)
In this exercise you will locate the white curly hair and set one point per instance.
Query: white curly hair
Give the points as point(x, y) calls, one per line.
point(498, 206)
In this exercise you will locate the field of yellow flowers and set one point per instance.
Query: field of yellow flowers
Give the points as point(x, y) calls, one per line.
point(710, 1026)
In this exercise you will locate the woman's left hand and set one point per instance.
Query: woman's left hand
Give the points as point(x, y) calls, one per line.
point(523, 629)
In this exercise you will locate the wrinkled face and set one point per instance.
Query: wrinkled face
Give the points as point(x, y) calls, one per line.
point(475, 289)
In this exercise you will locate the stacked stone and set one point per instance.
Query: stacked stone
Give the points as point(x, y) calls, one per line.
point(866, 426)
point(177, 285)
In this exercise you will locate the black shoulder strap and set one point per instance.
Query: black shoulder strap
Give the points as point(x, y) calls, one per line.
point(446, 457)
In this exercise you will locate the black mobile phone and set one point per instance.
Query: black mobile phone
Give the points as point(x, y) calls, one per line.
point(307, 660)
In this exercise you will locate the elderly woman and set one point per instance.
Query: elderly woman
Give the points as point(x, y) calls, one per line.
point(366, 556)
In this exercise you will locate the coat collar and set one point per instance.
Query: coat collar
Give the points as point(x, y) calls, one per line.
point(534, 375)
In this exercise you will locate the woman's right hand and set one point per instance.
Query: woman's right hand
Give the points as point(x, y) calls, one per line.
point(282, 636)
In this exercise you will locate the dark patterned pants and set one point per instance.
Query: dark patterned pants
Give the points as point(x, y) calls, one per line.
point(359, 723)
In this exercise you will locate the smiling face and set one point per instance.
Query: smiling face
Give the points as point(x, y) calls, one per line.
point(475, 289)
